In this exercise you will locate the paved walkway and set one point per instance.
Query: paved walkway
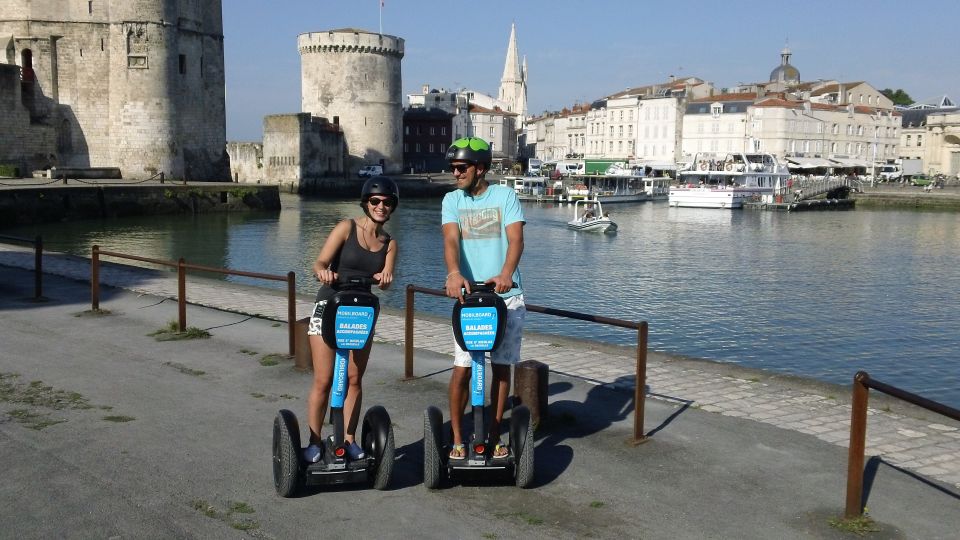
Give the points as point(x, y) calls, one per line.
point(902, 435)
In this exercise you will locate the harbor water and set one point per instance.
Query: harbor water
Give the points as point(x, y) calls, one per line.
point(815, 294)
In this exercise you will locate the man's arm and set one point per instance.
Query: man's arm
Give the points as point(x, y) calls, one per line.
point(451, 256)
point(504, 281)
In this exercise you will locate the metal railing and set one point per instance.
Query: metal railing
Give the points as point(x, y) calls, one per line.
point(858, 432)
point(182, 266)
point(639, 395)
point(37, 261)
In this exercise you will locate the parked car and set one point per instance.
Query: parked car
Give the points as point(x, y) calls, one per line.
point(370, 170)
point(920, 180)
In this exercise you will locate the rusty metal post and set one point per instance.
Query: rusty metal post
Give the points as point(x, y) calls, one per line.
point(292, 311)
point(640, 390)
point(95, 278)
point(181, 295)
point(858, 440)
point(531, 383)
point(408, 335)
point(38, 268)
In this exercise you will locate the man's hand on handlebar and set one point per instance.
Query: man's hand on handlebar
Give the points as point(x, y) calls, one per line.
point(455, 286)
point(501, 283)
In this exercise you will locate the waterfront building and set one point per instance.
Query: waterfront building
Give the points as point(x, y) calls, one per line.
point(427, 133)
point(136, 86)
point(931, 133)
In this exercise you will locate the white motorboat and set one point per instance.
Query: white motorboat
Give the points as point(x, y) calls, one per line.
point(588, 215)
point(715, 181)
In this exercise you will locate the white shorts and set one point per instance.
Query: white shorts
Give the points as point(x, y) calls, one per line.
point(508, 353)
point(316, 319)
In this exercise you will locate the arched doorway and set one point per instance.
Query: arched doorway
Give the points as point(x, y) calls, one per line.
point(26, 66)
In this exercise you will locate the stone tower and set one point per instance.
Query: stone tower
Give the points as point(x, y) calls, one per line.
point(133, 84)
point(513, 84)
point(352, 77)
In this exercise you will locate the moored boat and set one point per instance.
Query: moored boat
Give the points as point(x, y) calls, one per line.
point(714, 181)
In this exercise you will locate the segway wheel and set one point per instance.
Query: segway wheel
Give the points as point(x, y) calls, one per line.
point(432, 462)
point(521, 439)
point(286, 454)
point(377, 440)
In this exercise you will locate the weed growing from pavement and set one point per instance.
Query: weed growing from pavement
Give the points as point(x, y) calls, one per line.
point(596, 504)
point(119, 418)
point(184, 369)
point(236, 507)
point(172, 332)
point(93, 313)
point(488, 535)
point(248, 352)
point(271, 398)
point(530, 519)
point(276, 325)
point(272, 359)
point(860, 525)
point(33, 419)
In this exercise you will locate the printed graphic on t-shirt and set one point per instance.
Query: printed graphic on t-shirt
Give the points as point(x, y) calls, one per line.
point(479, 224)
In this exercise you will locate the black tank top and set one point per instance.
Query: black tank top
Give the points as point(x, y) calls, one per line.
point(354, 261)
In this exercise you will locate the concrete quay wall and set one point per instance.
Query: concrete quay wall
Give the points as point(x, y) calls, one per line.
point(28, 204)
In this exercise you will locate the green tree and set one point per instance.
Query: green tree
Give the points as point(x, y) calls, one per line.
point(898, 96)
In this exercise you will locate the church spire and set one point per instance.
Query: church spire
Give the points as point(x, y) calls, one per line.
point(513, 84)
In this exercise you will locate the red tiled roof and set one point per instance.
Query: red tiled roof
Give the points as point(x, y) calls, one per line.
point(478, 109)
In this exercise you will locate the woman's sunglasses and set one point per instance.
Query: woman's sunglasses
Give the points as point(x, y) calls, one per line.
point(460, 167)
point(386, 201)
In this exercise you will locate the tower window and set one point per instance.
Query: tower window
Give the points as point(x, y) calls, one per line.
point(183, 64)
point(90, 7)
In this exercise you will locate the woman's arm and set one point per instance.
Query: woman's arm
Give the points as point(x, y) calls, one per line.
point(332, 245)
point(386, 275)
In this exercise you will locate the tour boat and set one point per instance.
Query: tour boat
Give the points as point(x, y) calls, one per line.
point(588, 215)
point(717, 181)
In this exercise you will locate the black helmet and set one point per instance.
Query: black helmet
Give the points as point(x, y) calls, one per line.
point(380, 185)
point(472, 149)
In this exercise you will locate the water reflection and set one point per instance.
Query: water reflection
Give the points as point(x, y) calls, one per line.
point(820, 294)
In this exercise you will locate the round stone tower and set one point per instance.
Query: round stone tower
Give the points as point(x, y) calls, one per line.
point(352, 77)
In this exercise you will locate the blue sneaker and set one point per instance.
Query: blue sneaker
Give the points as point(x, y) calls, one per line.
point(313, 453)
point(355, 452)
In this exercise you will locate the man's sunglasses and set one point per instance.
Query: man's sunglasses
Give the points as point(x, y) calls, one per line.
point(386, 201)
point(460, 168)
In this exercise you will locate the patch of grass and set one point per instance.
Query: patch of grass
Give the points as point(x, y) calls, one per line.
point(257, 395)
point(488, 535)
point(272, 359)
point(205, 508)
point(38, 394)
point(248, 352)
point(184, 369)
point(276, 325)
point(287, 396)
point(93, 313)
point(34, 420)
point(860, 525)
point(172, 332)
point(596, 504)
point(523, 516)
point(754, 379)
point(240, 507)
point(236, 507)
point(555, 345)
point(119, 418)
point(245, 525)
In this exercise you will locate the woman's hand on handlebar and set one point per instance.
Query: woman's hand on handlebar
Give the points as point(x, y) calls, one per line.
point(327, 276)
point(384, 279)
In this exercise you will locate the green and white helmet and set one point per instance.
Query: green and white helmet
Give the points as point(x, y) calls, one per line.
point(471, 149)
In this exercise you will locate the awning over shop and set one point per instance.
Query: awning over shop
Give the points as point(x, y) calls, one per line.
point(660, 165)
point(808, 163)
point(849, 162)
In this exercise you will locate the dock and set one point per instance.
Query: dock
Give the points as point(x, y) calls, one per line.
point(797, 206)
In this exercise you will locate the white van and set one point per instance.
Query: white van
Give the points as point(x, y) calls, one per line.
point(567, 168)
point(534, 167)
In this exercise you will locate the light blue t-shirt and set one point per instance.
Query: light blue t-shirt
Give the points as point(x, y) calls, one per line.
point(483, 224)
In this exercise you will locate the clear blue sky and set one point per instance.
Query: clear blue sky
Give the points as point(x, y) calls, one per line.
point(580, 50)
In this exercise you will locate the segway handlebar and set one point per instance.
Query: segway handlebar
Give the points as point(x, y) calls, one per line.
point(480, 286)
point(354, 283)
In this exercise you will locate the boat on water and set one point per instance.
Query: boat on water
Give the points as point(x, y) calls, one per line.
point(727, 181)
point(606, 188)
point(588, 215)
point(657, 188)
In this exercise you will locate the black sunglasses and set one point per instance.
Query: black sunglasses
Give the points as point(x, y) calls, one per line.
point(386, 201)
point(460, 167)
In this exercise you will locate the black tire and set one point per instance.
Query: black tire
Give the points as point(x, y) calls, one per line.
point(432, 462)
point(521, 440)
point(377, 440)
point(286, 454)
